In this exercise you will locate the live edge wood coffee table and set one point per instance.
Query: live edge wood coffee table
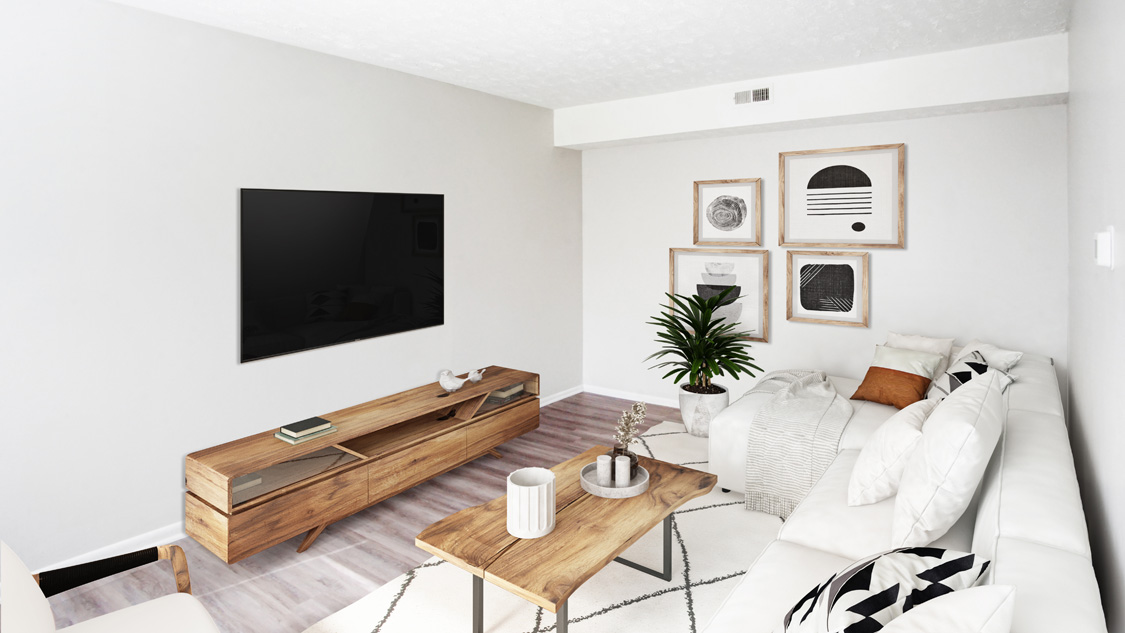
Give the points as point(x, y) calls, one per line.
point(590, 532)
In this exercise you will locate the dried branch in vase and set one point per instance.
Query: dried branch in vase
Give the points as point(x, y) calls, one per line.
point(628, 426)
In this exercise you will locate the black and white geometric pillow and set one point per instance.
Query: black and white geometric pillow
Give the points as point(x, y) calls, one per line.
point(968, 367)
point(869, 594)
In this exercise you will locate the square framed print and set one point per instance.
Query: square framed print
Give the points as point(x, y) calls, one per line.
point(826, 287)
point(728, 212)
point(853, 197)
point(708, 271)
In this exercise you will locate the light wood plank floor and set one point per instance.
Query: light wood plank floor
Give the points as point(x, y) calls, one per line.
point(279, 590)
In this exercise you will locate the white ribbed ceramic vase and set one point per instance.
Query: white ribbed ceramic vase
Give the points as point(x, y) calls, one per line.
point(531, 502)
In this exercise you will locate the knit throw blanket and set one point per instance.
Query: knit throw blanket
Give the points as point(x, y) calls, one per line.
point(793, 439)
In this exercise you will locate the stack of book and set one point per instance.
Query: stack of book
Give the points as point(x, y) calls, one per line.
point(505, 395)
point(305, 430)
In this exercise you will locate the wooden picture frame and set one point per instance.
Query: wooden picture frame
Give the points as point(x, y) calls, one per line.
point(850, 197)
point(731, 213)
point(691, 270)
point(835, 289)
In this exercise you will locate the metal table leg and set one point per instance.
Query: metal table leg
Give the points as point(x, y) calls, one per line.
point(561, 619)
point(667, 573)
point(478, 604)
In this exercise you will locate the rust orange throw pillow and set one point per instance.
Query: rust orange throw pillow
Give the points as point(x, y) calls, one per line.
point(898, 377)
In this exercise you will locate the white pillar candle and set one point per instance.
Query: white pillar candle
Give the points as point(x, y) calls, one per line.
point(621, 471)
point(605, 471)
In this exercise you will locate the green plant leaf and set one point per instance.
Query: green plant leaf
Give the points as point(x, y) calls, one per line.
point(699, 345)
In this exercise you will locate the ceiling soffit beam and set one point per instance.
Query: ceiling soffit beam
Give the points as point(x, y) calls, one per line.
point(1024, 73)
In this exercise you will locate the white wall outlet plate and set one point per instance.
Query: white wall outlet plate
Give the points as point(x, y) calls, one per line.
point(1103, 248)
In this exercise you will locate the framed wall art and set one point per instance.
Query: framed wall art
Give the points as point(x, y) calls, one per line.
point(708, 271)
point(852, 197)
point(728, 212)
point(826, 287)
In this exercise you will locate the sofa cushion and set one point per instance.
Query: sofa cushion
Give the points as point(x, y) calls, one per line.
point(872, 592)
point(987, 609)
point(1031, 490)
point(947, 466)
point(824, 520)
point(866, 416)
point(1055, 590)
point(1036, 387)
point(781, 574)
point(728, 439)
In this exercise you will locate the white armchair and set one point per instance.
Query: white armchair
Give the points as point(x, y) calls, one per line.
point(26, 609)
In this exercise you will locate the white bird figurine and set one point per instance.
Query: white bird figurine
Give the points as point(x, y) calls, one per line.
point(449, 382)
point(477, 374)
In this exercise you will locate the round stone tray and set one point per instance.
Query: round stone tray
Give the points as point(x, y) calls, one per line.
point(589, 480)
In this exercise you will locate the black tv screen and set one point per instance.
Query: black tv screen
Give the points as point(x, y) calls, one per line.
point(326, 267)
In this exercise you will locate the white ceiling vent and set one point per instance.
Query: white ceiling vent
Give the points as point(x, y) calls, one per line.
point(754, 95)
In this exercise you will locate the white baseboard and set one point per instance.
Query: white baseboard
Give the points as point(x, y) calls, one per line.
point(562, 395)
point(628, 395)
point(159, 536)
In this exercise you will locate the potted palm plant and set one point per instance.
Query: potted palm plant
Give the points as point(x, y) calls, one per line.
point(703, 346)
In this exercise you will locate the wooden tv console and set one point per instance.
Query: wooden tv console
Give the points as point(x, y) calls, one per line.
point(250, 494)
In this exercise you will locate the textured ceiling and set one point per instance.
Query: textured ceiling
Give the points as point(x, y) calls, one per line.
point(559, 53)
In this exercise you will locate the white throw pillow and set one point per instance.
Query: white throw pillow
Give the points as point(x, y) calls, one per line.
point(940, 346)
point(869, 594)
point(879, 467)
point(987, 609)
point(948, 463)
point(1002, 359)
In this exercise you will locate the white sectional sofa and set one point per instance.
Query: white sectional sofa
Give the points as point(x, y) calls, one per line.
point(1026, 517)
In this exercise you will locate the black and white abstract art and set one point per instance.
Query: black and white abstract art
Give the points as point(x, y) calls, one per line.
point(843, 197)
point(728, 212)
point(827, 287)
point(708, 272)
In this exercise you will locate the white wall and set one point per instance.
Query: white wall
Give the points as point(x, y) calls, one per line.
point(985, 249)
point(126, 137)
point(1097, 295)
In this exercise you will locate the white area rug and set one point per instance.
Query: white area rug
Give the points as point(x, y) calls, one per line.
point(714, 540)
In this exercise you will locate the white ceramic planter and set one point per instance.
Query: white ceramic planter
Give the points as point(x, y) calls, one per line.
point(698, 409)
point(531, 502)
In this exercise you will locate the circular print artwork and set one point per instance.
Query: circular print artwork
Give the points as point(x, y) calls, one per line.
point(726, 213)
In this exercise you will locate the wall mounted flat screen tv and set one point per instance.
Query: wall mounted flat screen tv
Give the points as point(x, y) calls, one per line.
point(320, 268)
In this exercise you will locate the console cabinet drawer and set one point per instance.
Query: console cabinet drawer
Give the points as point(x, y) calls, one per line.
point(391, 475)
point(495, 430)
point(236, 536)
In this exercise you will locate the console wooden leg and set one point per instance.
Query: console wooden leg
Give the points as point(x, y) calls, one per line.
point(495, 453)
point(310, 537)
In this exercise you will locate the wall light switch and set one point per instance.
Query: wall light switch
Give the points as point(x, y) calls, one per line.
point(1103, 248)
